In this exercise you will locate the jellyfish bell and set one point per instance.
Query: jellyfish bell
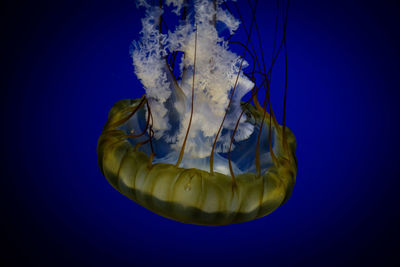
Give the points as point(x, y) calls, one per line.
point(191, 149)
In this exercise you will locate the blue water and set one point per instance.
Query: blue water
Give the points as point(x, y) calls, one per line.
point(67, 62)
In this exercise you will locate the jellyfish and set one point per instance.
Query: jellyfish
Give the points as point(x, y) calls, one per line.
point(201, 146)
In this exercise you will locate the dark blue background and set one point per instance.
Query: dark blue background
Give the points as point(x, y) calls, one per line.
point(65, 63)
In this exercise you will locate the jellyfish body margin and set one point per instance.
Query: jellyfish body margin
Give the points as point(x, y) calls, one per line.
point(203, 145)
